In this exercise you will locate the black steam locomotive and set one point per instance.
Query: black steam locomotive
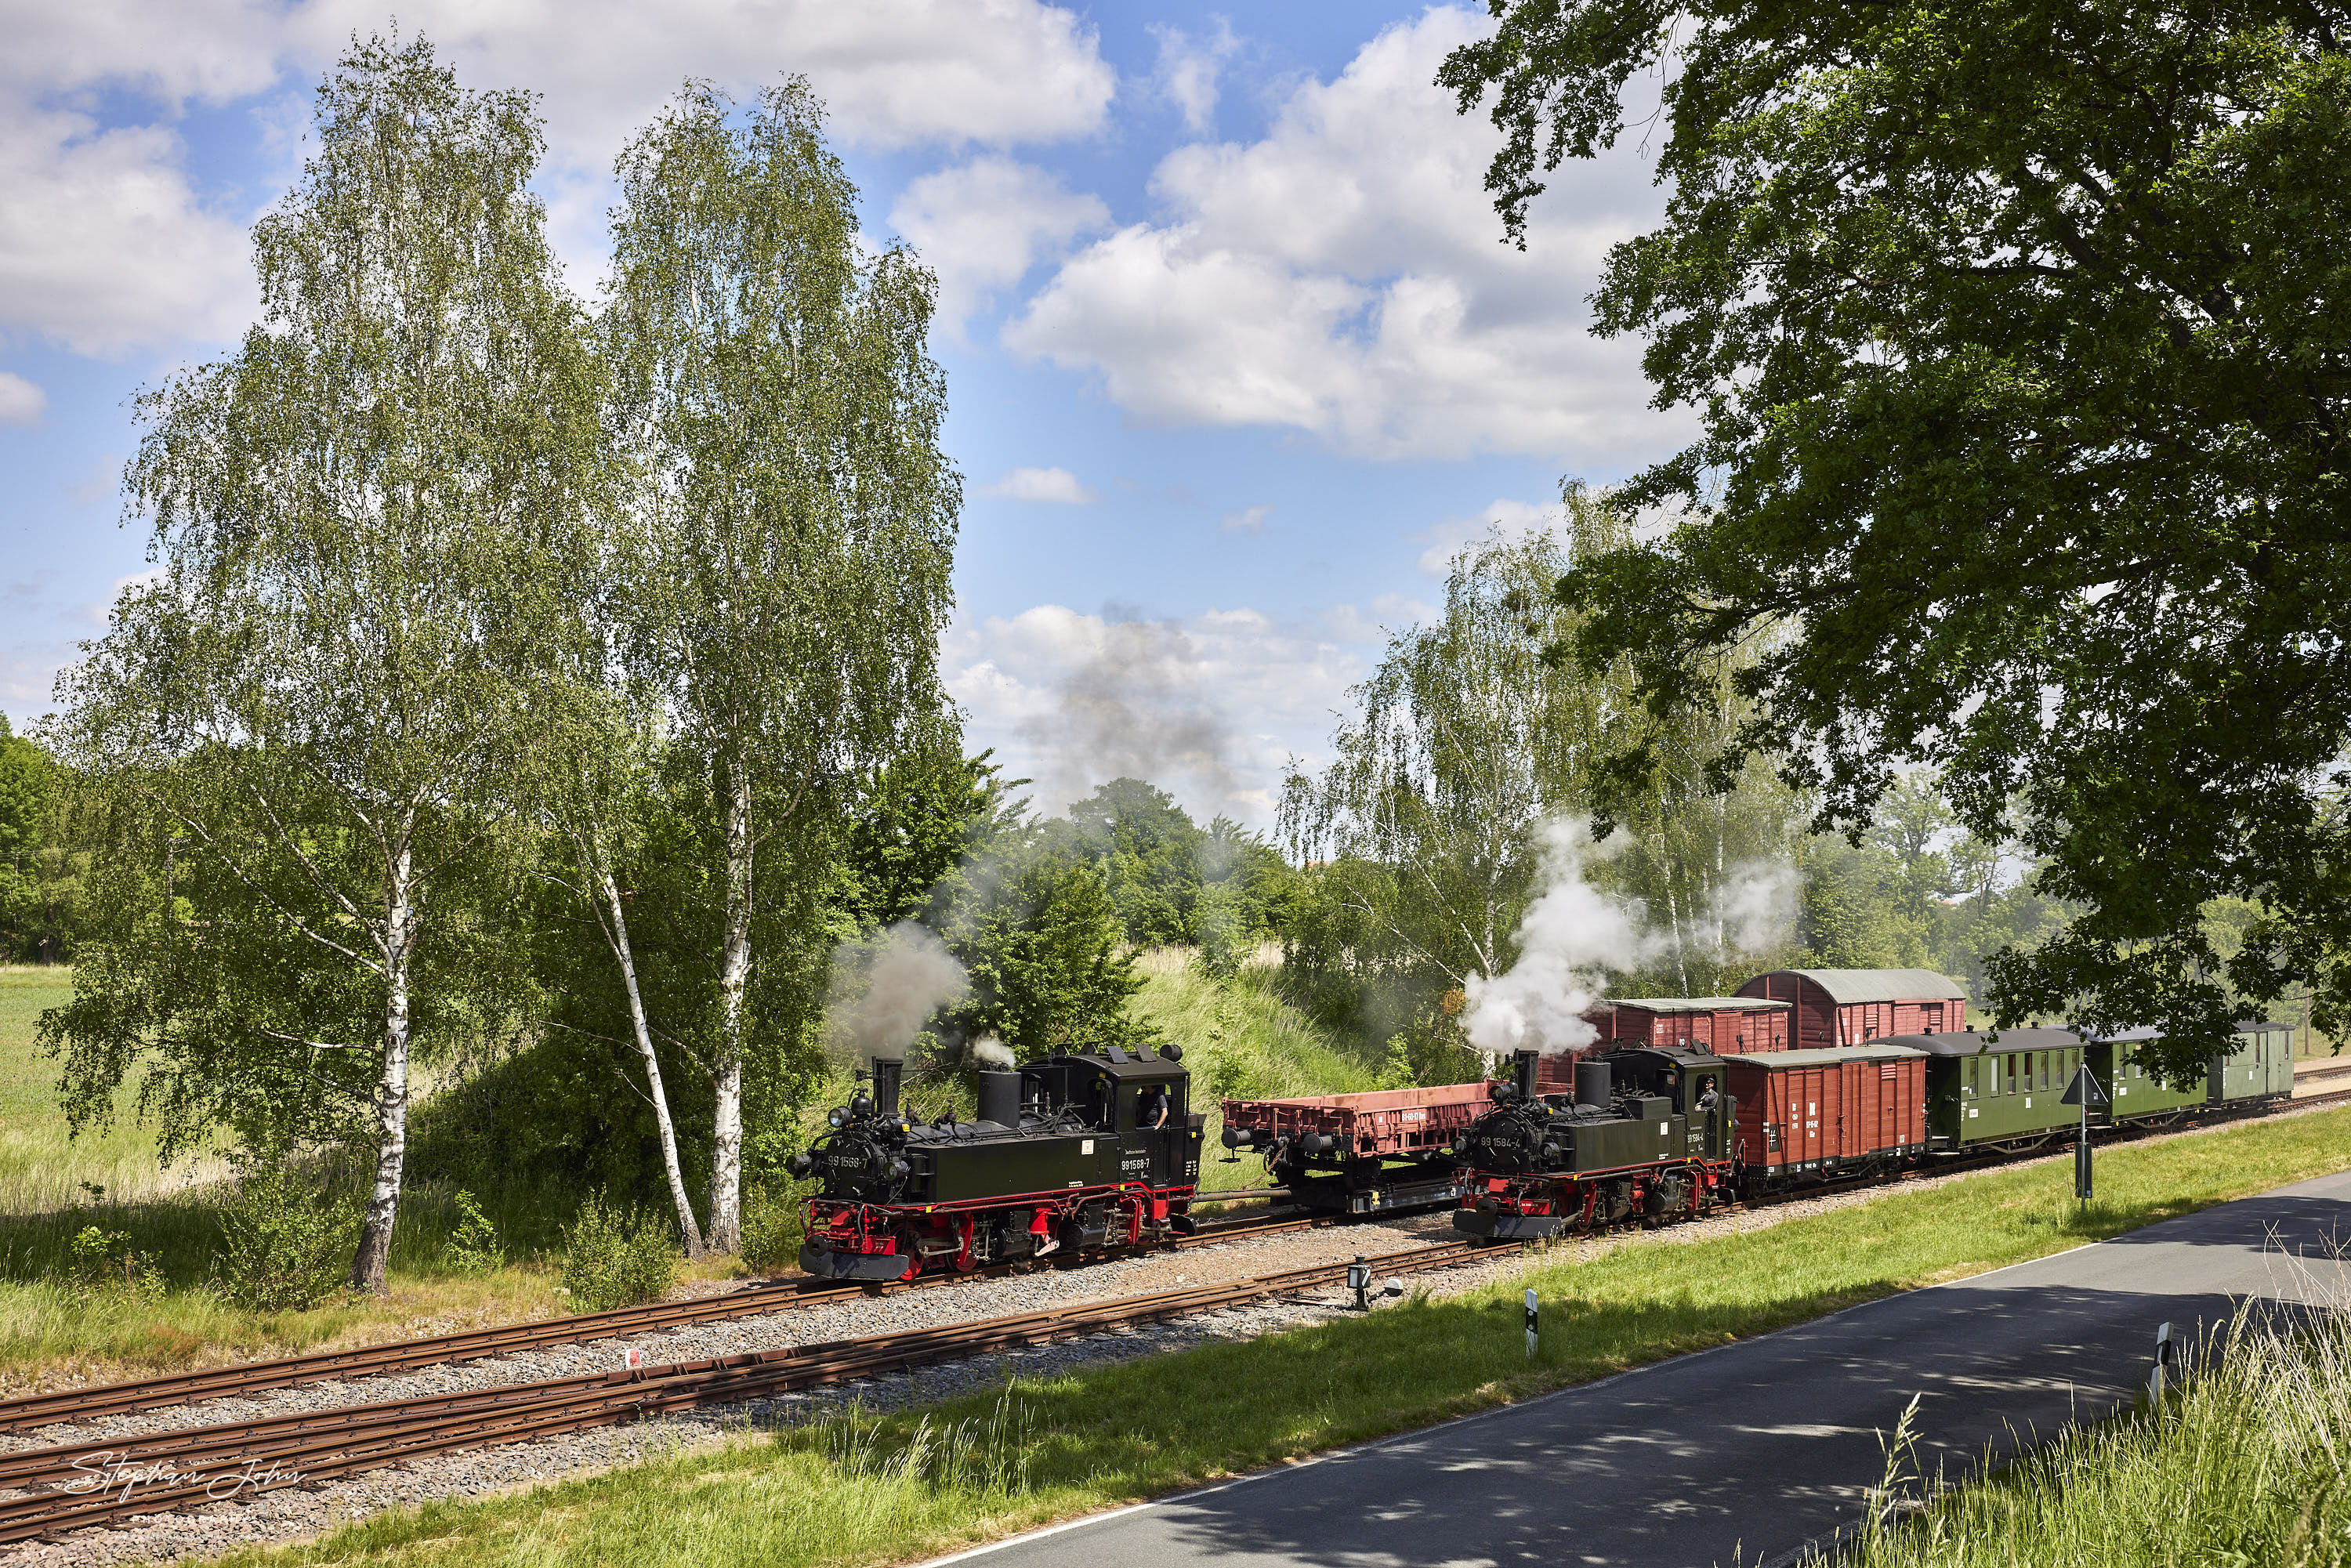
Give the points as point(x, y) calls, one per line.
point(1648, 1131)
point(1080, 1150)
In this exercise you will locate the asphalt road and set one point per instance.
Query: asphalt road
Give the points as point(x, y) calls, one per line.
point(1744, 1453)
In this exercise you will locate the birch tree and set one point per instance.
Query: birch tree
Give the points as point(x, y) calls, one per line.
point(308, 723)
point(599, 768)
point(775, 378)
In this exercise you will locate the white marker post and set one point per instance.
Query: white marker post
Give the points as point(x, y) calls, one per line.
point(633, 1358)
point(1531, 1310)
point(2166, 1358)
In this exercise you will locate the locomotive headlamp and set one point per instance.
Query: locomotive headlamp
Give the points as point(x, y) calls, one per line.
point(837, 1118)
point(800, 1165)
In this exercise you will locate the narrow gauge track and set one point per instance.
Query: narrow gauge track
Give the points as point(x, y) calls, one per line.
point(476, 1344)
point(73, 1485)
point(756, 1301)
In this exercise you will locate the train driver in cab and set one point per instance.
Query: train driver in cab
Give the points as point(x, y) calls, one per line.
point(1151, 1107)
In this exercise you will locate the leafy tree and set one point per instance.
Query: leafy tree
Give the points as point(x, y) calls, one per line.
point(41, 868)
point(305, 733)
point(598, 793)
point(2024, 390)
point(1036, 929)
point(775, 382)
point(1466, 741)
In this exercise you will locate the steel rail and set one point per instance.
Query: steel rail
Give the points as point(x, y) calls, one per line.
point(475, 1345)
point(98, 1482)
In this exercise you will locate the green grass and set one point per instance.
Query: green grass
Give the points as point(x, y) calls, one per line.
point(1239, 1039)
point(2243, 1466)
point(979, 1466)
point(48, 1323)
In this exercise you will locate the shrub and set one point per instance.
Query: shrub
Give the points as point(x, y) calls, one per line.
point(286, 1240)
point(475, 1248)
point(772, 1232)
point(104, 1264)
point(617, 1257)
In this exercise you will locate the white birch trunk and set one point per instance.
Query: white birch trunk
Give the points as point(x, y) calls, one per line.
point(726, 1233)
point(392, 1086)
point(619, 936)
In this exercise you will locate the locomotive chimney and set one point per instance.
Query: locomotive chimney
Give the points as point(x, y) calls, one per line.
point(999, 1098)
point(1592, 1084)
point(886, 1086)
point(1525, 1075)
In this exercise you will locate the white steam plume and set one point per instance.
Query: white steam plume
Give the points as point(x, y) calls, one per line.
point(990, 1051)
point(1571, 936)
point(908, 975)
point(1758, 908)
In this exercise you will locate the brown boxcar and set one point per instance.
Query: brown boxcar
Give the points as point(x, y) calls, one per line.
point(1724, 1026)
point(1812, 1115)
point(1852, 1006)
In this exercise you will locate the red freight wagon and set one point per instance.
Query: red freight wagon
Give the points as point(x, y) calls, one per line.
point(1726, 1026)
point(1851, 1006)
point(1341, 1149)
point(1812, 1115)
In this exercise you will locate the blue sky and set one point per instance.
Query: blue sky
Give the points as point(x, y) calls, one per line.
point(1234, 355)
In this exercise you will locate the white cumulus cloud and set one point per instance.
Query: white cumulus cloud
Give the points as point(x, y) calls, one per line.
point(982, 225)
point(1058, 486)
point(1248, 520)
point(1344, 275)
point(1188, 69)
point(1512, 520)
point(107, 244)
point(21, 402)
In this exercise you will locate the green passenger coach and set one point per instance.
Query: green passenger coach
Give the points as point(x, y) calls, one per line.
point(1996, 1088)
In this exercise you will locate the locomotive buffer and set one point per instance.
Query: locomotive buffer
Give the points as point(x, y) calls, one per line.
point(2084, 1091)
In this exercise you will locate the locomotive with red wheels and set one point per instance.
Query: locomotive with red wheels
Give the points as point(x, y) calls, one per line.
point(1078, 1152)
point(1648, 1131)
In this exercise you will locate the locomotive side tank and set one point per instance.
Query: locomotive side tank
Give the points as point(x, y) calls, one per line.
point(1082, 1150)
point(1649, 1130)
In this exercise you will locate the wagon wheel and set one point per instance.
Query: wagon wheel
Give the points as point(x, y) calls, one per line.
point(909, 1247)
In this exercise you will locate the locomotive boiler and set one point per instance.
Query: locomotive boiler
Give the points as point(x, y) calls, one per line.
point(1080, 1150)
point(1647, 1132)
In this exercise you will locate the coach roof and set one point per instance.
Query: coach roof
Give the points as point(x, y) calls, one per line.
point(1974, 1041)
point(1695, 1004)
point(1848, 985)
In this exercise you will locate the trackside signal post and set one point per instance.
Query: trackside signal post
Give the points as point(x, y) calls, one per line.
point(2083, 1091)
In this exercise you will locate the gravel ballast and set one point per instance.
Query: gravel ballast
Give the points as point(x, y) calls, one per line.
point(294, 1514)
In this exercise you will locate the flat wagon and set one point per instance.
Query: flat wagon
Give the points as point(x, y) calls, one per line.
point(1359, 1152)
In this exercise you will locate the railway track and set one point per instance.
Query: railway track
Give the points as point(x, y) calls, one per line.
point(73, 1485)
point(476, 1344)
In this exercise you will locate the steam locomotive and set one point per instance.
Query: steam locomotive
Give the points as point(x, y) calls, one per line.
point(1080, 1150)
point(1648, 1130)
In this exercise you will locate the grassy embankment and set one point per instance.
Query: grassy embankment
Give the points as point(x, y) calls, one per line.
point(48, 1323)
point(1240, 1038)
point(905, 1486)
point(2244, 1465)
